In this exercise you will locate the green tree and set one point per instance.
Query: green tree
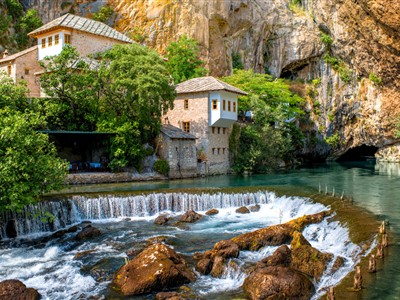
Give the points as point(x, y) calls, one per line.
point(104, 14)
point(27, 23)
point(29, 165)
point(271, 138)
point(72, 85)
point(136, 89)
point(183, 60)
point(13, 96)
point(14, 7)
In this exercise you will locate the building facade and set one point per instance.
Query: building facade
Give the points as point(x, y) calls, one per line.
point(86, 35)
point(22, 66)
point(207, 108)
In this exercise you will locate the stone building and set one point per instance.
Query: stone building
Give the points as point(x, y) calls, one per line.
point(178, 148)
point(207, 108)
point(86, 35)
point(22, 66)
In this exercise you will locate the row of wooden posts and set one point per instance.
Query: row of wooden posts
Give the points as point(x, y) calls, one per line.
point(371, 264)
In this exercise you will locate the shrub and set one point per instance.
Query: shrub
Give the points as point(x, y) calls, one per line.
point(161, 166)
point(326, 39)
point(375, 79)
point(333, 140)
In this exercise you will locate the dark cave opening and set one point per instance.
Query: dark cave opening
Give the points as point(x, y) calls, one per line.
point(360, 153)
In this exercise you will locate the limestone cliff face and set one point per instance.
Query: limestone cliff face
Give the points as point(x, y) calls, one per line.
point(285, 40)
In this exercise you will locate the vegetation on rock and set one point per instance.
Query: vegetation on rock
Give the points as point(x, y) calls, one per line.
point(271, 136)
point(183, 60)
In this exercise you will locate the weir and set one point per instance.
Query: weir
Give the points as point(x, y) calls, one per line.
point(55, 215)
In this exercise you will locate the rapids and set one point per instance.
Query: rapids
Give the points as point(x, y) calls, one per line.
point(65, 268)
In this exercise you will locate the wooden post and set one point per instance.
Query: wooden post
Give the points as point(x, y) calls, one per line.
point(379, 251)
point(372, 264)
point(331, 294)
point(382, 228)
point(385, 241)
point(357, 279)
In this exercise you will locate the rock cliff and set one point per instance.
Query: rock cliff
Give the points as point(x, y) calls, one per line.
point(355, 96)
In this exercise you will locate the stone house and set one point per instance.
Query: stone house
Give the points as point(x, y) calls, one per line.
point(207, 108)
point(22, 66)
point(86, 35)
point(178, 148)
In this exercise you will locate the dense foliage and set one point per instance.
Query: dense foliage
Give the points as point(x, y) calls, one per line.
point(271, 136)
point(183, 60)
point(27, 23)
point(124, 90)
point(29, 165)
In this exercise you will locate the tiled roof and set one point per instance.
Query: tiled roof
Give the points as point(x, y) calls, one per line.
point(176, 133)
point(18, 54)
point(205, 84)
point(82, 24)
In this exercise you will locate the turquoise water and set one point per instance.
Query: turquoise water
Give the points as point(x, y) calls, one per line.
point(375, 187)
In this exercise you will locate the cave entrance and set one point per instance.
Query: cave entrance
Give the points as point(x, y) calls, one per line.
point(360, 153)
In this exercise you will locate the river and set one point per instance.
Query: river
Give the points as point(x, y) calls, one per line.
point(375, 187)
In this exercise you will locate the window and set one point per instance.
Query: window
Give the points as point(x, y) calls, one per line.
point(186, 104)
point(213, 129)
point(223, 104)
point(67, 39)
point(224, 130)
point(9, 70)
point(213, 151)
point(43, 43)
point(56, 39)
point(186, 126)
point(219, 130)
point(234, 106)
point(229, 105)
point(223, 151)
point(215, 104)
point(26, 71)
point(219, 150)
point(50, 41)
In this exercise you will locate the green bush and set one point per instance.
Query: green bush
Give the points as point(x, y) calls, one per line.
point(345, 74)
point(375, 79)
point(326, 39)
point(161, 166)
point(333, 140)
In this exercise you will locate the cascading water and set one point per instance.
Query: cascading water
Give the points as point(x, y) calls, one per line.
point(67, 269)
point(50, 216)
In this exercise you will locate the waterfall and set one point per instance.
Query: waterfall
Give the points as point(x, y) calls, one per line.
point(54, 215)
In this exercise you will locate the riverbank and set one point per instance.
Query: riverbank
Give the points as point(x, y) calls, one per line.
point(108, 177)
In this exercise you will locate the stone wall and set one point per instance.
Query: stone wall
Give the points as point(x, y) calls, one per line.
point(105, 177)
point(27, 61)
point(180, 155)
point(87, 43)
point(214, 142)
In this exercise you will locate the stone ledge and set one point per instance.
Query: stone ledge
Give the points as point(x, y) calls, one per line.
point(107, 177)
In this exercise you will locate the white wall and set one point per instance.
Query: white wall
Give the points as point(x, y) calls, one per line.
point(54, 49)
point(221, 117)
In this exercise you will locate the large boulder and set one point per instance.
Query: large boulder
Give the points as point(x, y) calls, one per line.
point(161, 220)
point(307, 259)
point(156, 268)
point(212, 212)
point(242, 210)
point(16, 290)
point(276, 235)
point(254, 208)
point(281, 257)
point(213, 261)
point(88, 232)
point(190, 216)
point(277, 282)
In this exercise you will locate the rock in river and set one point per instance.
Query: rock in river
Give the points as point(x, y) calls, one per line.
point(190, 216)
point(156, 268)
point(16, 290)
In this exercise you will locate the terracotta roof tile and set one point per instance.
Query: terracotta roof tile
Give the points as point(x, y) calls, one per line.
point(18, 54)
